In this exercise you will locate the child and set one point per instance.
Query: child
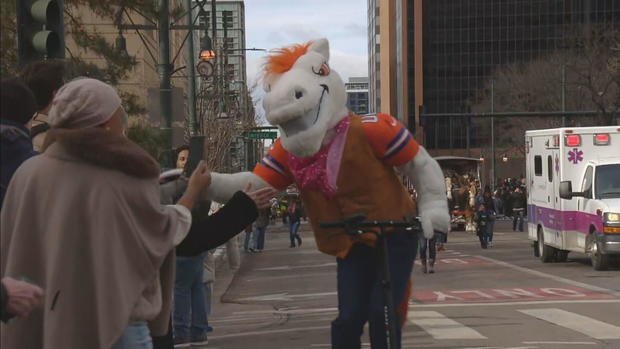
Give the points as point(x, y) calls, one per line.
point(482, 219)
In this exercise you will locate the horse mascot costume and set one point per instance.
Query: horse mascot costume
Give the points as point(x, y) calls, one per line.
point(344, 164)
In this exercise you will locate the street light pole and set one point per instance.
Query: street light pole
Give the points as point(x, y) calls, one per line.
point(492, 136)
point(165, 90)
point(193, 122)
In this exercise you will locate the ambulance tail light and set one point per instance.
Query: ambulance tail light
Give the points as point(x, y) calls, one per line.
point(572, 140)
point(556, 141)
point(601, 139)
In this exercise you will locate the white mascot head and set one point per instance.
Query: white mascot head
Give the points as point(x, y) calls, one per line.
point(304, 97)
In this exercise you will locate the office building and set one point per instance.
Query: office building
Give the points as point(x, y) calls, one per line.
point(357, 95)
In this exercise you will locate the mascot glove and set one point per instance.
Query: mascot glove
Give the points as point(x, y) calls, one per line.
point(434, 216)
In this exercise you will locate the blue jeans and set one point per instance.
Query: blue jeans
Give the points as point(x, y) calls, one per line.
point(490, 229)
point(427, 244)
point(135, 336)
point(259, 237)
point(190, 312)
point(249, 243)
point(293, 228)
point(517, 217)
point(360, 294)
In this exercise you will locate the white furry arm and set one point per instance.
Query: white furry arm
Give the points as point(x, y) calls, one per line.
point(428, 180)
point(224, 185)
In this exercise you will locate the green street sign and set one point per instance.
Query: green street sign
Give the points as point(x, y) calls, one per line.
point(262, 134)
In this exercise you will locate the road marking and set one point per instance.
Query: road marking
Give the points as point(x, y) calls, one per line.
point(288, 267)
point(267, 332)
point(285, 296)
point(289, 276)
point(441, 327)
point(553, 277)
point(562, 343)
point(586, 325)
point(480, 304)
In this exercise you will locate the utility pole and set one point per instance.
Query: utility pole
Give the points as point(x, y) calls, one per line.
point(191, 72)
point(492, 136)
point(164, 68)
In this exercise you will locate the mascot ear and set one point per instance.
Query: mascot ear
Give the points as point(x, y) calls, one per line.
point(321, 46)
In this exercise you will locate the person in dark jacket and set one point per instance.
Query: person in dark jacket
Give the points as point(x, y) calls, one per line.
point(482, 220)
point(518, 208)
point(489, 204)
point(210, 231)
point(17, 106)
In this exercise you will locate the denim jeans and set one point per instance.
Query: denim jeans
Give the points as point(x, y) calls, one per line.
point(490, 229)
point(259, 237)
point(360, 293)
point(427, 244)
point(517, 216)
point(190, 313)
point(293, 228)
point(249, 241)
point(135, 336)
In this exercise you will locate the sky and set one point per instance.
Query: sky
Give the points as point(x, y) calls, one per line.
point(275, 23)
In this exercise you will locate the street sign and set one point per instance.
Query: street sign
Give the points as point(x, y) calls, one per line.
point(262, 134)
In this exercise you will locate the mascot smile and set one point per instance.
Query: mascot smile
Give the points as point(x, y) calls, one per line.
point(344, 164)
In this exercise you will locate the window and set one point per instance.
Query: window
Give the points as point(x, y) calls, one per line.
point(538, 165)
point(550, 168)
point(586, 186)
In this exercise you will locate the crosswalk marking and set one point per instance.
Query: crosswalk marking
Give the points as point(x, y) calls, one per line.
point(441, 327)
point(586, 325)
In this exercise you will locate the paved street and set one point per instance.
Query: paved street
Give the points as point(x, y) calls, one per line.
point(497, 298)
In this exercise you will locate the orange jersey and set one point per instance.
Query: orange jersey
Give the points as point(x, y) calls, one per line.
point(390, 140)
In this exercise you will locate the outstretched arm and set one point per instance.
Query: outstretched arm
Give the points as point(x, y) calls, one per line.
point(428, 180)
point(225, 185)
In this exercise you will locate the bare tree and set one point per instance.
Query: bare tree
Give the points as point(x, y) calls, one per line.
point(583, 75)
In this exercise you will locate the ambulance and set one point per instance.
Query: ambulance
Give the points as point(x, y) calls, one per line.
point(573, 185)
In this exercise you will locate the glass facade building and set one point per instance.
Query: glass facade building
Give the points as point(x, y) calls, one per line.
point(464, 41)
point(374, 64)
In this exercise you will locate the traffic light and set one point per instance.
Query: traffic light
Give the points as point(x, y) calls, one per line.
point(40, 30)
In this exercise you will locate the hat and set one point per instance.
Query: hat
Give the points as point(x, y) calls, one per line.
point(83, 103)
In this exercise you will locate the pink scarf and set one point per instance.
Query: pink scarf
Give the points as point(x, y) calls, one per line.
point(320, 171)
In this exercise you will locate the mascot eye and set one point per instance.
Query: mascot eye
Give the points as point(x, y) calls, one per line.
point(323, 71)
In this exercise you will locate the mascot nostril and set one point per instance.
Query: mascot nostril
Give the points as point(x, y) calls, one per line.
point(343, 164)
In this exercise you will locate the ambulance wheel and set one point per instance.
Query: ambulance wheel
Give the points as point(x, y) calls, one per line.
point(561, 256)
point(599, 261)
point(547, 253)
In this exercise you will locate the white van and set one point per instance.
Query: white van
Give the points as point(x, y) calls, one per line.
point(573, 184)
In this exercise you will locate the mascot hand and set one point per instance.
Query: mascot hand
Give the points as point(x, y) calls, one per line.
point(434, 216)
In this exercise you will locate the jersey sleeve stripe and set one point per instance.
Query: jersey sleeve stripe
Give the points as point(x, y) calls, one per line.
point(277, 163)
point(398, 146)
point(269, 163)
point(398, 137)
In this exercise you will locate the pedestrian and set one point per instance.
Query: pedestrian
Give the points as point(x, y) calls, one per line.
point(294, 216)
point(84, 222)
point(489, 203)
point(189, 313)
point(428, 245)
point(518, 208)
point(44, 78)
point(17, 106)
point(260, 228)
point(482, 220)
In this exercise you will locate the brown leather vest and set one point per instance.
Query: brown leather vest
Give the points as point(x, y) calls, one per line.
point(365, 185)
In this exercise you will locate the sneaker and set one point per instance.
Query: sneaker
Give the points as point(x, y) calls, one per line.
point(182, 342)
point(490, 243)
point(209, 328)
point(199, 340)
